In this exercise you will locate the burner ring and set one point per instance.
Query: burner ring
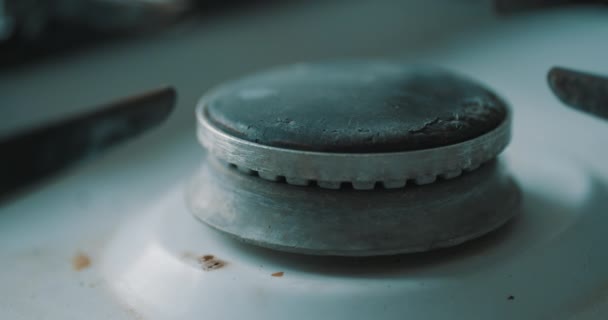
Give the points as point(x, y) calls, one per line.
point(363, 170)
point(362, 124)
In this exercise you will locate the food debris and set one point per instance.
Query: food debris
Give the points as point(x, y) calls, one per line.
point(510, 298)
point(209, 262)
point(278, 274)
point(81, 261)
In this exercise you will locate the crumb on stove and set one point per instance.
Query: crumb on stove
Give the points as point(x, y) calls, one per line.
point(209, 262)
point(278, 274)
point(81, 261)
point(511, 298)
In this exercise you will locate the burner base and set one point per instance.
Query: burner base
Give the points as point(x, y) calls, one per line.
point(351, 222)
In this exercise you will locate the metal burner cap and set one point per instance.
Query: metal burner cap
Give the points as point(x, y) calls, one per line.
point(356, 122)
point(355, 108)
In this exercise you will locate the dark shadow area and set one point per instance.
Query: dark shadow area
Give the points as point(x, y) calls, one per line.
point(61, 37)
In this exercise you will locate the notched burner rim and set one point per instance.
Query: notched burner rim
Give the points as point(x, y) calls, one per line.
point(356, 185)
point(364, 171)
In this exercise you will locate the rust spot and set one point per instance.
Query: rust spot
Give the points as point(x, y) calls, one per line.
point(510, 298)
point(81, 261)
point(278, 274)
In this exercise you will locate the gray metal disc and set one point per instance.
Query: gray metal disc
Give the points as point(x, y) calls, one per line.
point(354, 107)
point(350, 222)
point(356, 123)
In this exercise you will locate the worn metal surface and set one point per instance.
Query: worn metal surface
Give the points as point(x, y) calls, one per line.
point(580, 90)
point(357, 123)
point(354, 107)
point(350, 222)
point(35, 154)
point(363, 170)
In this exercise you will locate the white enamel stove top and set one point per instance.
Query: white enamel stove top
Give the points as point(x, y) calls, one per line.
point(102, 243)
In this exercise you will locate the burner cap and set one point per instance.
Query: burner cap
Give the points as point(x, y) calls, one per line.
point(360, 123)
point(355, 107)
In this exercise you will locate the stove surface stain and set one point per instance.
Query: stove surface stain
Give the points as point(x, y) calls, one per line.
point(207, 262)
point(210, 262)
point(81, 261)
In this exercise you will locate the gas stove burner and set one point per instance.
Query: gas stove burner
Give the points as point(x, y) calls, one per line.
point(353, 126)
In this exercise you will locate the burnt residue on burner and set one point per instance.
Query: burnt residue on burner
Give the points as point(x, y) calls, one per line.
point(81, 261)
point(355, 107)
point(207, 262)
